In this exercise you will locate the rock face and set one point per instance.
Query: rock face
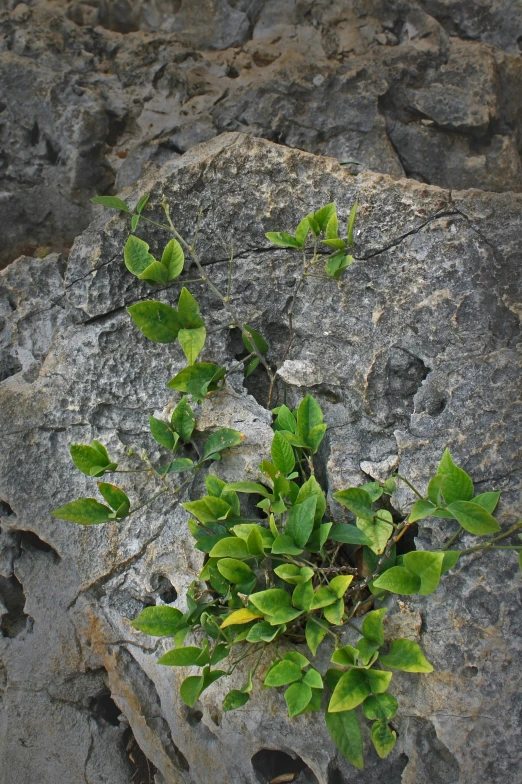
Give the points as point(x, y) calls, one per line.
point(416, 350)
point(426, 89)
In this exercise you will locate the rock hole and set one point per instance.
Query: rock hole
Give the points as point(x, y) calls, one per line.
point(407, 542)
point(163, 588)
point(34, 135)
point(116, 128)
point(143, 771)
point(51, 153)
point(12, 596)
point(31, 542)
point(5, 509)
point(470, 672)
point(193, 717)
point(232, 72)
point(268, 764)
point(9, 366)
point(104, 709)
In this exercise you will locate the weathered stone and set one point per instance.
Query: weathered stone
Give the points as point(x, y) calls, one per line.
point(415, 350)
point(118, 87)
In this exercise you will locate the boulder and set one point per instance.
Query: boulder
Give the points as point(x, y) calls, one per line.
point(430, 90)
point(416, 349)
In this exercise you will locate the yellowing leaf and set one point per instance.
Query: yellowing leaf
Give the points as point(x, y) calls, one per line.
point(240, 616)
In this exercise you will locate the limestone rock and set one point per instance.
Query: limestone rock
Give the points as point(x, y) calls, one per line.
point(430, 90)
point(415, 350)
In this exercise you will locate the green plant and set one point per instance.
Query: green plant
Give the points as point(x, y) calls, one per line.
point(290, 576)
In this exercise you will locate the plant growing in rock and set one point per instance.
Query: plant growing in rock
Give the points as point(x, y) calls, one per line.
point(289, 575)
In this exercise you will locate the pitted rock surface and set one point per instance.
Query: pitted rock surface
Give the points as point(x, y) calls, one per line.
point(94, 92)
point(418, 348)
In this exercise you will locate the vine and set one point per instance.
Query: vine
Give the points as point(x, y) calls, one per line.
point(291, 576)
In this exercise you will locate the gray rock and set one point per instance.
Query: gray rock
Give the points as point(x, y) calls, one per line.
point(430, 90)
point(416, 349)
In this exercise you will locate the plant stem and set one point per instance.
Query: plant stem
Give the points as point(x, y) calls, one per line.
point(453, 538)
point(412, 487)
point(488, 545)
point(238, 364)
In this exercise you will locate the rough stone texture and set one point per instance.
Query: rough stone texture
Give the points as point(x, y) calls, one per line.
point(429, 89)
point(416, 350)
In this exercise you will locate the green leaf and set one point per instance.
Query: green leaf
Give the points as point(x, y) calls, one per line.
point(256, 542)
point(383, 738)
point(450, 559)
point(142, 203)
point(136, 255)
point(357, 501)
point(337, 263)
point(473, 518)
point(377, 530)
point(301, 521)
point(181, 657)
point(222, 439)
point(456, 484)
point(289, 573)
point(192, 342)
point(407, 656)
point(380, 706)
point(115, 497)
point(314, 634)
point(235, 571)
point(286, 420)
point(282, 673)
point(351, 224)
point(162, 433)
point(372, 627)
point(309, 416)
point(155, 272)
point(157, 321)
point(487, 500)
point(262, 632)
point(421, 509)
point(313, 224)
point(313, 679)
point(351, 690)
point(198, 379)
point(297, 697)
point(322, 598)
point(231, 547)
point(85, 511)
point(158, 621)
point(346, 656)
point(134, 222)
point(235, 699)
point(323, 215)
point(191, 688)
point(334, 612)
point(367, 651)
point(312, 488)
point(427, 566)
point(378, 680)
point(339, 585)
point(270, 601)
point(318, 537)
point(302, 230)
point(282, 239)
point(332, 227)
point(348, 534)
point(257, 339)
point(282, 454)
point(335, 242)
point(345, 732)
point(398, 580)
point(179, 465)
point(188, 310)
point(89, 458)
point(285, 615)
point(111, 201)
point(303, 595)
point(284, 545)
point(183, 420)
point(249, 487)
point(173, 259)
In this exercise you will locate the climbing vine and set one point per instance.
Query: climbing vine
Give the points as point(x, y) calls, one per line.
point(290, 576)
